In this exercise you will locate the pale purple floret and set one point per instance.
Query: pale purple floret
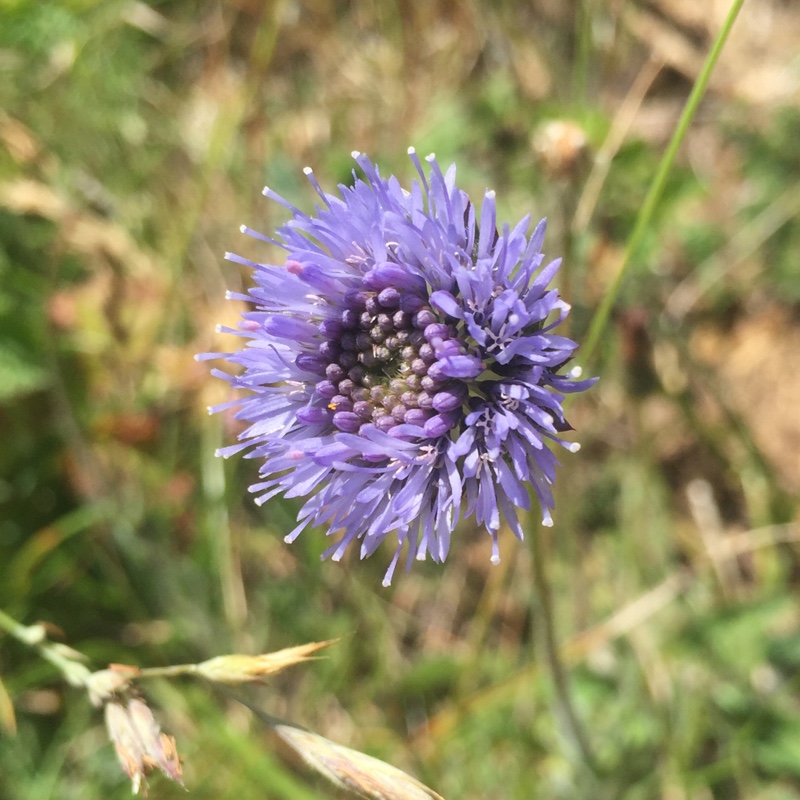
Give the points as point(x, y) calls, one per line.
point(401, 367)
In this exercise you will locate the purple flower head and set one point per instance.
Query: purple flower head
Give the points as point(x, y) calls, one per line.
point(401, 365)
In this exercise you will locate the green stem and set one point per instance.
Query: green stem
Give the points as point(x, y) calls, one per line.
point(565, 708)
point(601, 316)
point(34, 636)
point(171, 671)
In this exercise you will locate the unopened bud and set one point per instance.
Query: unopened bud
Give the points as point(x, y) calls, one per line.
point(238, 668)
point(560, 146)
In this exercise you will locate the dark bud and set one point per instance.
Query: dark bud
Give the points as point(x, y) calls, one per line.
point(389, 297)
point(356, 299)
point(326, 389)
point(373, 305)
point(417, 338)
point(377, 335)
point(363, 341)
point(409, 399)
point(411, 303)
point(419, 367)
point(363, 409)
point(398, 412)
point(401, 320)
point(348, 359)
point(430, 385)
point(348, 341)
point(310, 363)
point(356, 374)
point(385, 423)
point(341, 403)
point(330, 351)
point(385, 323)
point(331, 328)
point(424, 318)
point(414, 382)
point(349, 319)
point(426, 353)
point(334, 373)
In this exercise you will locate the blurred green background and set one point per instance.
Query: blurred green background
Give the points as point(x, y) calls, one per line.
point(136, 137)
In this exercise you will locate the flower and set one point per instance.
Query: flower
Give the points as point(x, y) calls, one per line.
point(401, 367)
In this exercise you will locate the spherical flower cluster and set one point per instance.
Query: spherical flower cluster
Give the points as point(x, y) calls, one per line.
point(401, 367)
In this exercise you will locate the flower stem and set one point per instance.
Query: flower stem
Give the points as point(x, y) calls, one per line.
point(61, 657)
point(564, 707)
point(172, 671)
point(601, 316)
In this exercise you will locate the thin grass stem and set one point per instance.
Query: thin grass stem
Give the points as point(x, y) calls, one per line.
point(565, 708)
point(603, 313)
point(34, 636)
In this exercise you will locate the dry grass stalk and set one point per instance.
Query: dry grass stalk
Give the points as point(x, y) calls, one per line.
point(355, 772)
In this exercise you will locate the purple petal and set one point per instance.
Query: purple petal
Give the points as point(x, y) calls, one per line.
point(447, 304)
point(450, 398)
point(313, 415)
point(347, 421)
point(463, 367)
point(440, 424)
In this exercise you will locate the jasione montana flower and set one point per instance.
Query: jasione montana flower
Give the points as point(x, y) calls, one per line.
point(401, 365)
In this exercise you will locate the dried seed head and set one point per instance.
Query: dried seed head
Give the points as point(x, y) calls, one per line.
point(105, 683)
point(139, 742)
point(237, 668)
point(351, 770)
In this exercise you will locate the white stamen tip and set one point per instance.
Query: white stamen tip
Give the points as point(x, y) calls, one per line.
point(574, 447)
point(265, 191)
point(355, 154)
point(243, 229)
point(308, 171)
point(491, 194)
point(430, 158)
point(547, 522)
point(218, 329)
point(228, 295)
point(495, 559)
point(210, 410)
point(576, 372)
point(411, 150)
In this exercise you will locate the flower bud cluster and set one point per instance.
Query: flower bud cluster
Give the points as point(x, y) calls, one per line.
point(384, 360)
